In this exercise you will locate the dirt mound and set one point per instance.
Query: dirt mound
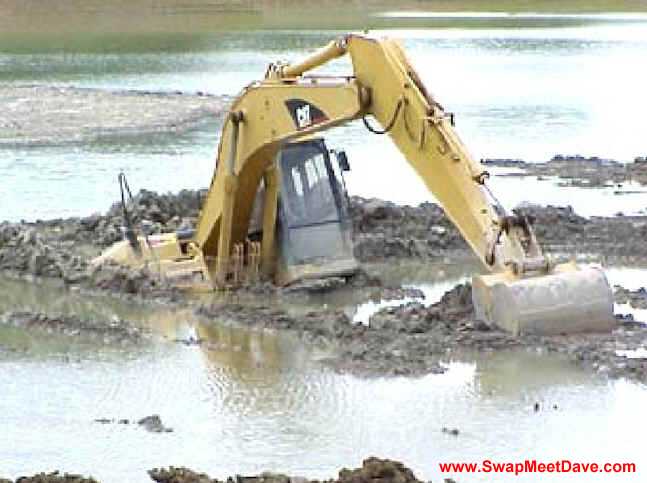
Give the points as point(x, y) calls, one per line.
point(386, 230)
point(635, 298)
point(407, 340)
point(373, 470)
point(383, 231)
point(54, 477)
point(178, 475)
point(582, 171)
point(25, 250)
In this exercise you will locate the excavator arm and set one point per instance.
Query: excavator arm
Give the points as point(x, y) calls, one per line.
point(287, 105)
point(526, 291)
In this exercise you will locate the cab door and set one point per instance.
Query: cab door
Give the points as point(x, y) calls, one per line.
point(315, 233)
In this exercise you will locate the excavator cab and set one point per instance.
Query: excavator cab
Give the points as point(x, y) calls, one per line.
point(314, 228)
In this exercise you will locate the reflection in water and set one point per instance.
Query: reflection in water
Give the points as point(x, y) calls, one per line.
point(244, 401)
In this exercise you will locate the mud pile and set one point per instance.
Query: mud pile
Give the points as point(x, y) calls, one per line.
point(406, 340)
point(417, 331)
point(23, 249)
point(385, 230)
point(373, 470)
point(635, 298)
point(48, 249)
point(54, 477)
point(588, 172)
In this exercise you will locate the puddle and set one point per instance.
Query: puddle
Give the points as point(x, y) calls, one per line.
point(432, 292)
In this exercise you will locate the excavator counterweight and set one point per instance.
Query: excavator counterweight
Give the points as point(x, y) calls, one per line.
point(271, 168)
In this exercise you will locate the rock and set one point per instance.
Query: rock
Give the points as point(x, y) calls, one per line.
point(178, 475)
point(635, 298)
point(154, 424)
point(373, 470)
point(55, 477)
point(452, 431)
point(376, 470)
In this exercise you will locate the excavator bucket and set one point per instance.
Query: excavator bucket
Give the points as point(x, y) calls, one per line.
point(570, 299)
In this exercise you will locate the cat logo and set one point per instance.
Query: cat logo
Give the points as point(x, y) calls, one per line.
point(304, 114)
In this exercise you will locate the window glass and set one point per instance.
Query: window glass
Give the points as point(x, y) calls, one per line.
point(296, 179)
point(306, 192)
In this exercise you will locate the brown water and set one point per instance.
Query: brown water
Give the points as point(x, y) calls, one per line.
point(246, 401)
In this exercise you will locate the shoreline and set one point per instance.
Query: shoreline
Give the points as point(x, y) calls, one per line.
point(411, 339)
point(38, 115)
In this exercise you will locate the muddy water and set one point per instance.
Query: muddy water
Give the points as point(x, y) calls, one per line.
point(250, 401)
point(245, 401)
point(531, 89)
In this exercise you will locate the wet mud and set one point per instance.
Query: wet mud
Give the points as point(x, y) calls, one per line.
point(580, 171)
point(73, 115)
point(412, 339)
point(373, 470)
point(449, 326)
point(62, 248)
point(415, 340)
point(354, 348)
point(635, 298)
point(53, 477)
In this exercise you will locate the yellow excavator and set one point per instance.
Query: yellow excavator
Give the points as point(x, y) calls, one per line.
point(277, 209)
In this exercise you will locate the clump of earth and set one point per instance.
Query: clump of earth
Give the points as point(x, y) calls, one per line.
point(580, 171)
point(373, 470)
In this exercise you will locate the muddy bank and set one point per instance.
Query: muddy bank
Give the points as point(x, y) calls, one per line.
point(62, 248)
point(579, 171)
point(407, 340)
point(385, 231)
point(449, 324)
point(112, 331)
point(414, 339)
point(373, 470)
point(47, 115)
point(53, 477)
point(635, 298)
